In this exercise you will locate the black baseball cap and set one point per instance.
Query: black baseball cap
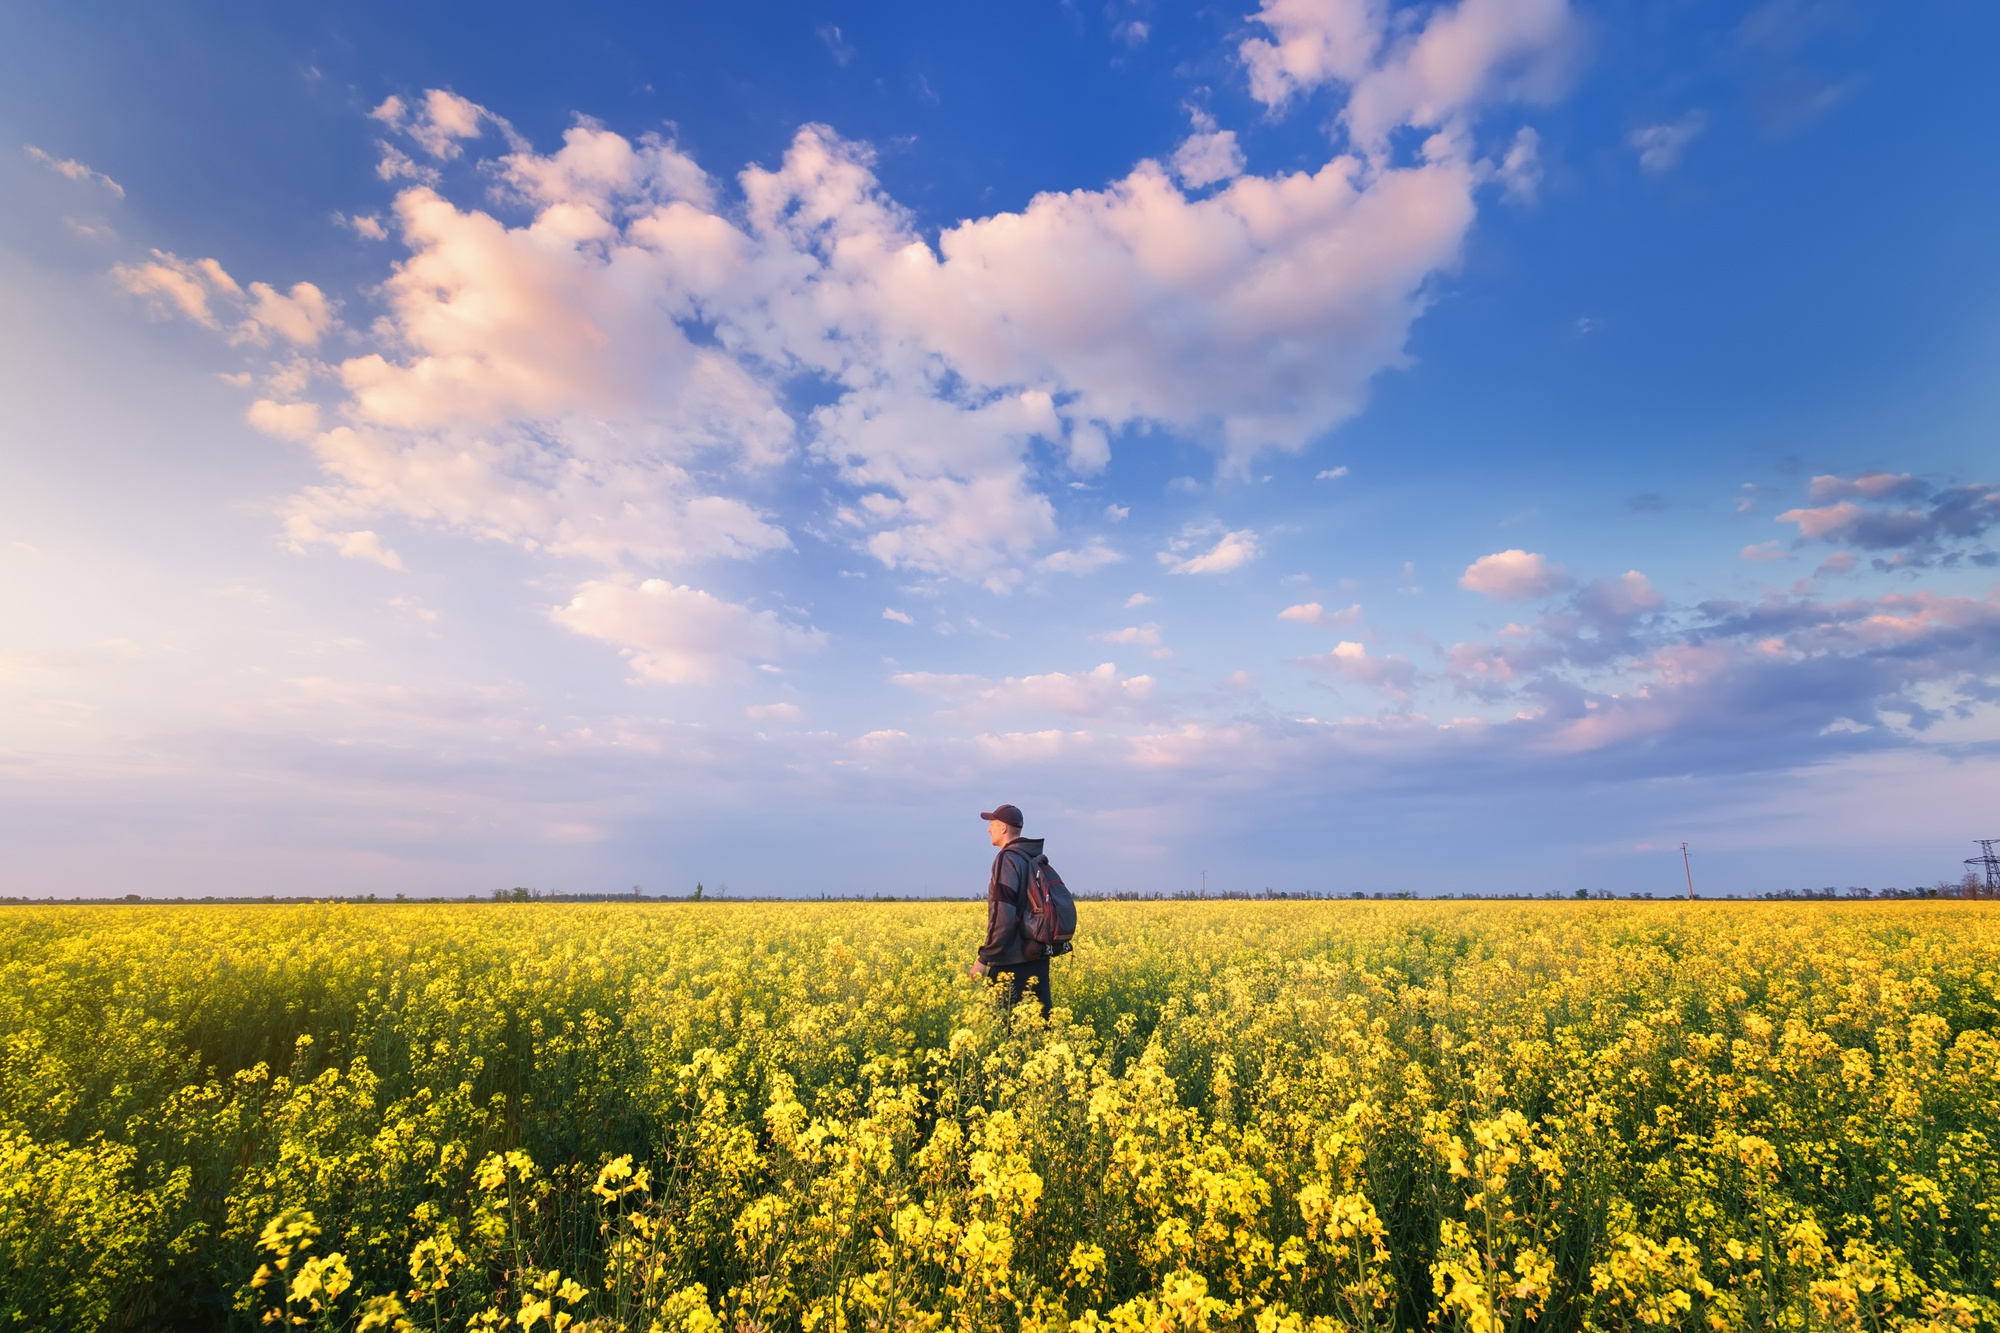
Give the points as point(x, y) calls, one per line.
point(1006, 814)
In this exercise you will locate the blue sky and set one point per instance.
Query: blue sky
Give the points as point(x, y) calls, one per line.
point(1327, 445)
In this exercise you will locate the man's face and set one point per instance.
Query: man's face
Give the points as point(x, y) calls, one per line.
point(1001, 832)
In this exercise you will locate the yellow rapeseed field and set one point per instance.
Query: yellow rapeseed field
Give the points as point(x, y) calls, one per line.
point(1277, 1117)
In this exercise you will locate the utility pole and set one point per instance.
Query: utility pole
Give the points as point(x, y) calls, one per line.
point(1204, 884)
point(1689, 868)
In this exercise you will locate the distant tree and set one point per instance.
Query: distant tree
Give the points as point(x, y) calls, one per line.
point(697, 890)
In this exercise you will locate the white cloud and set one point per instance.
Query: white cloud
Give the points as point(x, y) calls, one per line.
point(365, 545)
point(1312, 613)
point(1093, 555)
point(178, 284)
point(1351, 662)
point(837, 46)
point(195, 288)
point(74, 170)
point(778, 712)
point(1761, 552)
point(603, 375)
point(367, 226)
point(1233, 551)
point(287, 421)
point(1520, 171)
point(680, 635)
point(1134, 634)
point(300, 317)
point(1660, 147)
point(901, 618)
point(1331, 473)
point(439, 121)
point(354, 544)
point(1397, 73)
point(1513, 576)
point(1204, 159)
point(1099, 693)
point(1138, 599)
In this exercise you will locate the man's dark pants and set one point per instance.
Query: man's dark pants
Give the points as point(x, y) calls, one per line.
point(1022, 978)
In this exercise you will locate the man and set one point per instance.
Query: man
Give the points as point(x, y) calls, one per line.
point(1003, 959)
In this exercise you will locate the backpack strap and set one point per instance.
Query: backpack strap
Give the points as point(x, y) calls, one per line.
point(1027, 873)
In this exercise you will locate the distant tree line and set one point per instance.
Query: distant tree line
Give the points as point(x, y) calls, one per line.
point(1970, 885)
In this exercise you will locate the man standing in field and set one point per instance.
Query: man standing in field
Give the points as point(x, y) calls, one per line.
point(1005, 958)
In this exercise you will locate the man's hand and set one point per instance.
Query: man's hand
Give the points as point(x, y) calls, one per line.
point(978, 969)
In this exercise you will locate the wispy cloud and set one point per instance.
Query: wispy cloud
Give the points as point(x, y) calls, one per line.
point(1661, 147)
point(74, 170)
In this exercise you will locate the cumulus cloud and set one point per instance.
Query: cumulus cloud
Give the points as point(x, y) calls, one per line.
point(367, 226)
point(1895, 513)
point(287, 421)
point(1132, 634)
point(1514, 576)
point(600, 376)
point(1232, 551)
point(1204, 159)
point(680, 635)
point(202, 290)
point(438, 121)
point(900, 617)
point(1745, 685)
point(1429, 75)
point(74, 170)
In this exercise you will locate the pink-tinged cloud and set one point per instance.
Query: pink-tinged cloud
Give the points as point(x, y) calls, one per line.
point(1312, 613)
point(1866, 486)
point(679, 635)
point(1514, 576)
point(536, 382)
point(1430, 74)
point(1103, 692)
point(74, 170)
point(1351, 662)
point(202, 291)
point(1895, 512)
point(1232, 551)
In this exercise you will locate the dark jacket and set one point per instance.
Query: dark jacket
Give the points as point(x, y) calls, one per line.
point(1005, 891)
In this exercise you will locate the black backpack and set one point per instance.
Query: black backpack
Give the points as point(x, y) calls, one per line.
point(1047, 912)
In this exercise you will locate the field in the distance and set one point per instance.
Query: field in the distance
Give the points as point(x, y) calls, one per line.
point(1269, 1116)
